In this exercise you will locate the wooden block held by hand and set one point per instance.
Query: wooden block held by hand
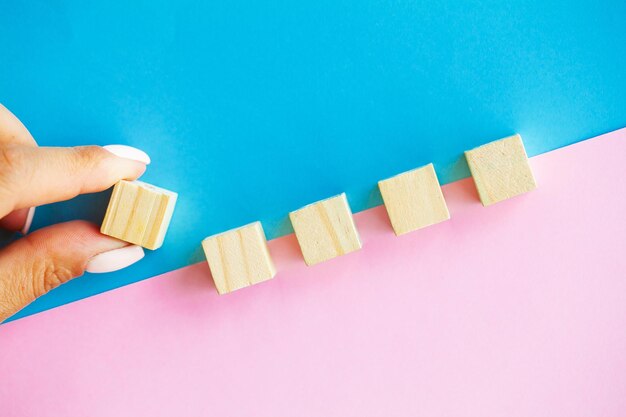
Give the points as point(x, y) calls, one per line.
point(414, 199)
point(500, 170)
point(239, 258)
point(325, 229)
point(139, 213)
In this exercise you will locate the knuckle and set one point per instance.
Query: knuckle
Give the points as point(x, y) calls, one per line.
point(48, 275)
point(14, 291)
point(12, 164)
point(11, 160)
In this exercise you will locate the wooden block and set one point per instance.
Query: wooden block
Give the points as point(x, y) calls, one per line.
point(325, 229)
point(239, 258)
point(139, 213)
point(500, 170)
point(414, 199)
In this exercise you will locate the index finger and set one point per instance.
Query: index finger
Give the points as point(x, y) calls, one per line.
point(31, 176)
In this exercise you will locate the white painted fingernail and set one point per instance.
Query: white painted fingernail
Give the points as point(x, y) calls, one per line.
point(129, 152)
point(29, 221)
point(115, 259)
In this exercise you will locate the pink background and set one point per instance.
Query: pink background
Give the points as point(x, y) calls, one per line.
point(518, 309)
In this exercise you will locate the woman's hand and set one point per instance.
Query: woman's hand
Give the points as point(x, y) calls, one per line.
point(31, 176)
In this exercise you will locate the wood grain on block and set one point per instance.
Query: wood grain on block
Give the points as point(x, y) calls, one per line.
point(500, 170)
point(139, 213)
point(325, 229)
point(239, 258)
point(414, 199)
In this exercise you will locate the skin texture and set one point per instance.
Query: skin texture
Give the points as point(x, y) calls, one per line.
point(31, 176)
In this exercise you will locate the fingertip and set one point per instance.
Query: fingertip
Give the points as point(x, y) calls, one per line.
point(129, 163)
point(137, 172)
point(129, 152)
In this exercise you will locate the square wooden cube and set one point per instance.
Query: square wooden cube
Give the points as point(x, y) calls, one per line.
point(139, 213)
point(414, 199)
point(500, 170)
point(239, 258)
point(325, 229)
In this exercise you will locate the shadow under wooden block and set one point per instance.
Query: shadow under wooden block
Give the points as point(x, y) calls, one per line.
point(325, 229)
point(139, 213)
point(239, 258)
point(500, 170)
point(414, 200)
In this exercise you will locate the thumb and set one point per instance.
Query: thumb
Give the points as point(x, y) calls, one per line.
point(49, 257)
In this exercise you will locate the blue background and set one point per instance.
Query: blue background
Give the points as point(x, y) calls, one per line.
point(250, 109)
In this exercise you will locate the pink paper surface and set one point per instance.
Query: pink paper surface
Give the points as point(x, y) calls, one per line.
point(518, 309)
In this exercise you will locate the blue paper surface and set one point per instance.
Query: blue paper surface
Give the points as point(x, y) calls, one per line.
point(251, 109)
